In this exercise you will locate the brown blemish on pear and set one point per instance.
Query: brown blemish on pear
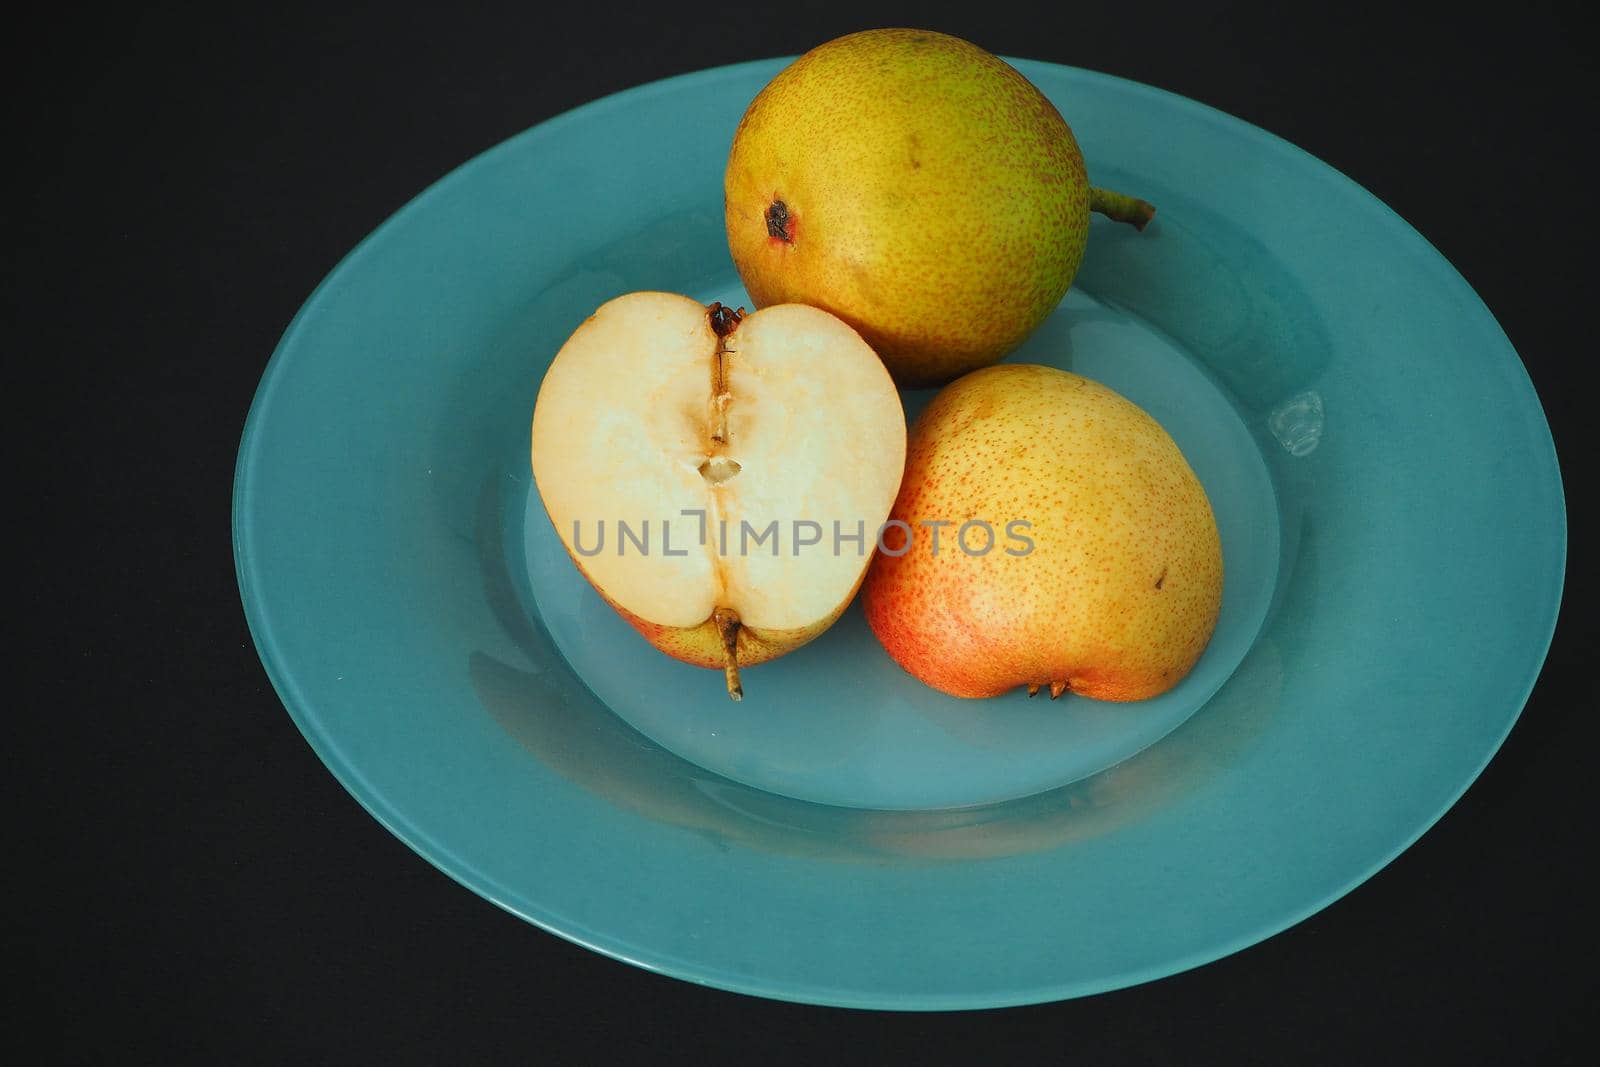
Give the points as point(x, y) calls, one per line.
point(780, 224)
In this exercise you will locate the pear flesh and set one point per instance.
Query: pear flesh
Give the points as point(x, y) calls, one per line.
point(743, 454)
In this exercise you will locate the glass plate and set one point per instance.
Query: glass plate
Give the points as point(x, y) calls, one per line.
point(1381, 469)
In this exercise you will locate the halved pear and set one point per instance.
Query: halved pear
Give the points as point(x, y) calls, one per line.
point(719, 478)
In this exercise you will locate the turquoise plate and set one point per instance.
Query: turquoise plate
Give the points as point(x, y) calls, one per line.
point(1382, 473)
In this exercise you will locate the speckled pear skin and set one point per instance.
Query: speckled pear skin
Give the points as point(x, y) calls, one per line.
point(931, 197)
point(1122, 588)
point(701, 645)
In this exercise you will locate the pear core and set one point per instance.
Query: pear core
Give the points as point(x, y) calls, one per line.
point(705, 428)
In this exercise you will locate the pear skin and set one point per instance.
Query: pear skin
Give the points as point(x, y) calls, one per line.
point(1120, 591)
point(920, 189)
point(708, 644)
point(703, 645)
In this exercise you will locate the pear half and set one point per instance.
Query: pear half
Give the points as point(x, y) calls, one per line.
point(719, 478)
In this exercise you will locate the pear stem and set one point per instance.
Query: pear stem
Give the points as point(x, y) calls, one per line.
point(727, 623)
point(1130, 209)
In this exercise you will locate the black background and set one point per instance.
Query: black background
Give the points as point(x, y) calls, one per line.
point(197, 887)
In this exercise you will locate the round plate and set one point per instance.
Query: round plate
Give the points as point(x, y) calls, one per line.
point(1382, 471)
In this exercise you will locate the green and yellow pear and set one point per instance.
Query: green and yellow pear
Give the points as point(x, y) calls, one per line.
point(919, 188)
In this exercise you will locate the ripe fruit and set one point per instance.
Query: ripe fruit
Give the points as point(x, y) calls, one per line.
point(920, 189)
point(1120, 592)
point(695, 433)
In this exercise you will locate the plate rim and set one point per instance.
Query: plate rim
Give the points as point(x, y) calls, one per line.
point(443, 858)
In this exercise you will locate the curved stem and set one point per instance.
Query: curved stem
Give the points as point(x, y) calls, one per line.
point(728, 629)
point(1130, 209)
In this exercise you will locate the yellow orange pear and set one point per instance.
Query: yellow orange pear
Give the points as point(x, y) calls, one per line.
point(1102, 573)
point(718, 477)
point(919, 188)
